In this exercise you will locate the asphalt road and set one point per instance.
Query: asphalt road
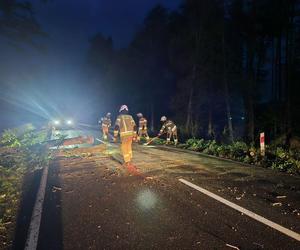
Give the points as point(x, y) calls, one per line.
point(93, 202)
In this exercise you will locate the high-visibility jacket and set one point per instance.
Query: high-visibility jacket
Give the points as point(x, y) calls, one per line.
point(168, 126)
point(143, 124)
point(106, 122)
point(125, 125)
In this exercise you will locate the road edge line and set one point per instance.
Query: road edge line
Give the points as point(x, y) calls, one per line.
point(35, 222)
point(245, 211)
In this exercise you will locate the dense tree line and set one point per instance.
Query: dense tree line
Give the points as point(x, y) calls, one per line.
point(221, 69)
point(18, 25)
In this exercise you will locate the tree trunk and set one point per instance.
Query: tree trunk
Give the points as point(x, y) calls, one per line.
point(249, 111)
point(226, 91)
point(189, 118)
point(273, 70)
point(228, 111)
point(289, 64)
point(189, 112)
point(152, 118)
point(210, 131)
point(288, 127)
point(248, 94)
point(279, 68)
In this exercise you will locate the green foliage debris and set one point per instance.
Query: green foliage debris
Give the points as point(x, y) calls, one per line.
point(276, 157)
point(21, 151)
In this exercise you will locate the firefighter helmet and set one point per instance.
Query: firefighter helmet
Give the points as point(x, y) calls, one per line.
point(139, 115)
point(163, 119)
point(123, 107)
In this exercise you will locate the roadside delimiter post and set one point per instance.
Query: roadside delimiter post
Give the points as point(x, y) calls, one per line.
point(262, 144)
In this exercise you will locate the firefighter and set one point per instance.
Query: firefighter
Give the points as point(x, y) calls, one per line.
point(106, 124)
point(171, 129)
point(143, 131)
point(125, 125)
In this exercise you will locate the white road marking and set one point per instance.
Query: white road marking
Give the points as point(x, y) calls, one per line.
point(247, 212)
point(231, 246)
point(34, 227)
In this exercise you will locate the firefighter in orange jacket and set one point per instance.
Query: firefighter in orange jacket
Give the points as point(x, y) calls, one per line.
point(143, 131)
point(125, 125)
point(106, 124)
point(171, 129)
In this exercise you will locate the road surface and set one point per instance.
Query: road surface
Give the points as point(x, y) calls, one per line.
point(93, 202)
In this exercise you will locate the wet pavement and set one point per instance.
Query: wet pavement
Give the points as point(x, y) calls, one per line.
point(93, 202)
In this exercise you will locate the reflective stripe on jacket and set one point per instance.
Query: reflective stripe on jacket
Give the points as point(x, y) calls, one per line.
point(143, 124)
point(106, 122)
point(125, 125)
point(169, 126)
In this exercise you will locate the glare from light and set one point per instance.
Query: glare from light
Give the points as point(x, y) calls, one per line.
point(56, 122)
point(146, 199)
point(69, 122)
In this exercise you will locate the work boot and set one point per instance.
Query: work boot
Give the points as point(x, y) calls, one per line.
point(126, 164)
point(131, 168)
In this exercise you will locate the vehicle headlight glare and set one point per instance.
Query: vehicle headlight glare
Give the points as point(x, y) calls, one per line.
point(56, 122)
point(69, 122)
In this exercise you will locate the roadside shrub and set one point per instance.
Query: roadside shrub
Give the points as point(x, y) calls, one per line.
point(25, 137)
point(275, 158)
point(211, 148)
point(192, 143)
point(295, 154)
point(202, 145)
point(22, 151)
point(223, 151)
point(296, 167)
point(9, 138)
point(197, 144)
point(286, 161)
point(25, 148)
point(282, 165)
point(238, 150)
point(30, 138)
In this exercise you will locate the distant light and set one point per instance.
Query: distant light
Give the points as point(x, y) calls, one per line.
point(230, 118)
point(69, 122)
point(56, 122)
point(243, 118)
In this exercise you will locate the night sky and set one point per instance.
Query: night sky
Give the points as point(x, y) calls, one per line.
point(54, 78)
point(70, 22)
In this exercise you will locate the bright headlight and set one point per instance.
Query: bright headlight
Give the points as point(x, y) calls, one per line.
point(56, 122)
point(69, 122)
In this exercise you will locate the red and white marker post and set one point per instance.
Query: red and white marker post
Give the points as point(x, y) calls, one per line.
point(262, 144)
